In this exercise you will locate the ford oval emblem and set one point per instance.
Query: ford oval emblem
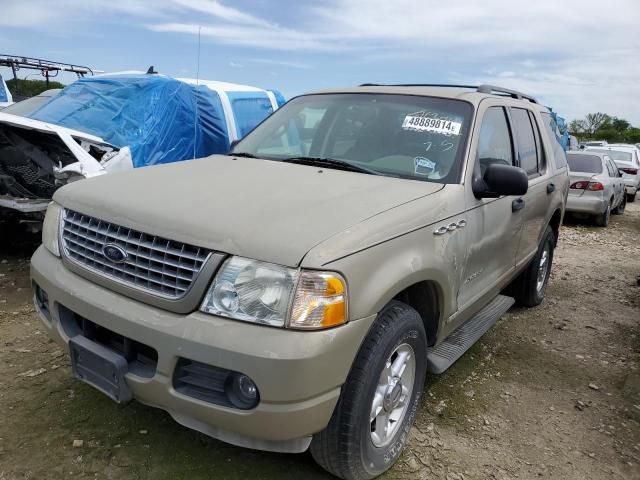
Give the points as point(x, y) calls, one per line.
point(114, 253)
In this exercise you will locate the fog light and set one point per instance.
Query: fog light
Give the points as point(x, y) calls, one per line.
point(242, 391)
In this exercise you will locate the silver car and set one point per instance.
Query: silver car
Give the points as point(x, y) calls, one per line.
point(627, 159)
point(597, 187)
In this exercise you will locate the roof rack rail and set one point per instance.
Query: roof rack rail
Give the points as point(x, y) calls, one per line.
point(490, 89)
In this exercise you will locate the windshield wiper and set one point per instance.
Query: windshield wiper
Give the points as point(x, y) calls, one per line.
point(330, 162)
point(241, 154)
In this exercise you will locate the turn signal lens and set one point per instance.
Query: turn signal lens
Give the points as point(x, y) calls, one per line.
point(320, 301)
point(595, 186)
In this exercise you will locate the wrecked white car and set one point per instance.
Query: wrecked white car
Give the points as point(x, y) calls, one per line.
point(118, 122)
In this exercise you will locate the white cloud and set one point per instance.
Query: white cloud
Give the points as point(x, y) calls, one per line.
point(217, 9)
point(578, 55)
point(281, 63)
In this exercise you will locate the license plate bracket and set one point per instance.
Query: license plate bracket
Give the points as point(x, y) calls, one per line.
point(100, 367)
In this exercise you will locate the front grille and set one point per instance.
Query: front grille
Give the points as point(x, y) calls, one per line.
point(154, 264)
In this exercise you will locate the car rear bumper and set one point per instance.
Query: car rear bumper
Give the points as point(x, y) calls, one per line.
point(586, 204)
point(298, 374)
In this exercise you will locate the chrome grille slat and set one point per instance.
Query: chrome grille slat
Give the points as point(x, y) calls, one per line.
point(154, 264)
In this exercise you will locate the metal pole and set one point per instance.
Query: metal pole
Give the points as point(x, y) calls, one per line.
point(15, 77)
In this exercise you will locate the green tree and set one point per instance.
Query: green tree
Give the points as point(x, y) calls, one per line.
point(30, 88)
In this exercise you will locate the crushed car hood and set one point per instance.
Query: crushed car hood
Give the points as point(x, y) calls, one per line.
point(267, 210)
point(36, 157)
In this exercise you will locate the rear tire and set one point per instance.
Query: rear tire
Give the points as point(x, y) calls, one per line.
point(631, 198)
point(528, 289)
point(355, 446)
point(619, 210)
point(602, 220)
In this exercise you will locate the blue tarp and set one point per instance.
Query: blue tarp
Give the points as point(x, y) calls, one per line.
point(4, 96)
point(160, 119)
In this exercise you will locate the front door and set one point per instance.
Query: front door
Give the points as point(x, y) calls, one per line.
point(494, 225)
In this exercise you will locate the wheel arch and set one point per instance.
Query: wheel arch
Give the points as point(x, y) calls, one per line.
point(426, 298)
point(555, 222)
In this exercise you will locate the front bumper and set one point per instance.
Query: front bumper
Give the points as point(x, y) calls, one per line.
point(299, 374)
point(586, 204)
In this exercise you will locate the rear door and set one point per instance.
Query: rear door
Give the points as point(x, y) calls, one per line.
point(532, 158)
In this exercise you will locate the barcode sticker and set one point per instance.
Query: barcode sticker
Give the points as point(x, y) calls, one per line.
point(427, 124)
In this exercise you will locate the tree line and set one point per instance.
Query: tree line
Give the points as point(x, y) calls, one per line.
point(600, 126)
point(30, 88)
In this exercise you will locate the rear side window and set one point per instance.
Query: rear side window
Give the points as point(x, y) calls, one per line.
point(526, 139)
point(494, 145)
point(559, 155)
point(584, 163)
point(249, 109)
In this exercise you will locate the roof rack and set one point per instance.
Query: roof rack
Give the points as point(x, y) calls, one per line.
point(48, 69)
point(490, 89)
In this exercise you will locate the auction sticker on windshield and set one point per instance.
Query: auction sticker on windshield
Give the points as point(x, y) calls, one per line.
point(428, 124)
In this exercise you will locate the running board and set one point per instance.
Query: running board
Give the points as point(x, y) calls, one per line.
point(443, 355)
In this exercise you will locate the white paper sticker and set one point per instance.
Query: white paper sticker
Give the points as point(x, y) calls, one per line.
point(428, 124)
point(423, 166)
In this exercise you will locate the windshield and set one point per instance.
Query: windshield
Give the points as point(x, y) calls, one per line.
point(25, 107)
point(405, 136)
point(616, 155)
point(584, 163)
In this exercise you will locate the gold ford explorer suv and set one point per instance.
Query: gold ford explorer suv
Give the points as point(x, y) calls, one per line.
point(295, 293)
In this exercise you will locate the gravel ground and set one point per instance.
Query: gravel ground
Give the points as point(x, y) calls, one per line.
point(550, 392)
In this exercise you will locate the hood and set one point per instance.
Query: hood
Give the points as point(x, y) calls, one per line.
point(31, 124)
point(266, 210)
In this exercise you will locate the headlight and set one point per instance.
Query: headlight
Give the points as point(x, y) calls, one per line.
point(50, 228)
point(273, 295)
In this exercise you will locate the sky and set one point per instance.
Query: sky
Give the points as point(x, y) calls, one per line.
point(578, 56)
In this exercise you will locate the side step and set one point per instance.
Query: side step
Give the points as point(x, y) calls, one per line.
point(443, 355)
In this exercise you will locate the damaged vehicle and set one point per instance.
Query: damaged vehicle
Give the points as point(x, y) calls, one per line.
point(119, 122)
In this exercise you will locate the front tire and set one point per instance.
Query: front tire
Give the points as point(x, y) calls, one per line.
point(377, 407)
point(631, 198)
point(528, 289)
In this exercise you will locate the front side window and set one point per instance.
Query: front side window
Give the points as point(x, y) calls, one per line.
point(406, 136)
point(494, 143)
point(527, 146)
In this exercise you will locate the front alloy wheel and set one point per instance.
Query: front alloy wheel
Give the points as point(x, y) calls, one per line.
point(391, 399)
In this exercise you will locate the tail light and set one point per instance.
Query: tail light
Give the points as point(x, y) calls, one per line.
point(630, 171)
point(584, 185)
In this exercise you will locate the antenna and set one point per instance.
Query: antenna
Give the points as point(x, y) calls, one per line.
point(195, 119)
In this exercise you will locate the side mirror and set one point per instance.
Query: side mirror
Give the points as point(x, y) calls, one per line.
point(620, 173)
point(501, 180)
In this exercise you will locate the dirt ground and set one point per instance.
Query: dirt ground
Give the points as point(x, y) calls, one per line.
point(551, 392)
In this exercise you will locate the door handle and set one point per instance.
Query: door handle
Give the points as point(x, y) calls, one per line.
point(517, 204)
point(551, 188)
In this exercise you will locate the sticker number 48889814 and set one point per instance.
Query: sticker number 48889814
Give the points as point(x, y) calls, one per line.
point(431, 125)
